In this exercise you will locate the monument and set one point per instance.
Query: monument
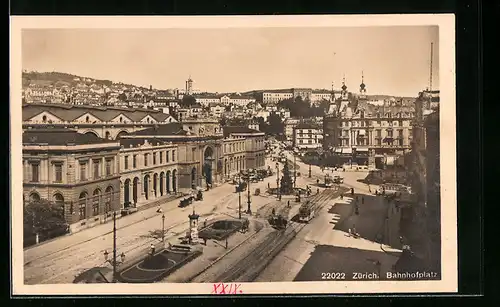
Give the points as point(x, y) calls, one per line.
point(193, 228)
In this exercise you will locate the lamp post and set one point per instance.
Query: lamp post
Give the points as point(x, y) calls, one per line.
point(106, 254)
point(163, 228)
point(277, 179)
point(114, 245)
point(239, 198)
point(294, 171)
point(249, 211)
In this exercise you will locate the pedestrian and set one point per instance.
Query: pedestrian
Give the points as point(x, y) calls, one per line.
point(159, 210)
point(317, 181)
point(342, 196)
point(369, 189)
point(288, 204)
point(268, 185)
point(226, 243)
point(317, 191)
point(205, 241)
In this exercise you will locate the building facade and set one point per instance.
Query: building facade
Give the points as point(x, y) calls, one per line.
point(307, 136)
point(423, 212)
point(148, 171)
point(77, 171)
point(373, 135)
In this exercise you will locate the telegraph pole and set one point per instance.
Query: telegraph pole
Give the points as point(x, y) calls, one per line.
point(239, 199)
point(114, 246)
point(294, 170)
point(249, 211)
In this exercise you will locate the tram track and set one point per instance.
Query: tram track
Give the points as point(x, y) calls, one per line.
point(125, 244)
point(257, 259)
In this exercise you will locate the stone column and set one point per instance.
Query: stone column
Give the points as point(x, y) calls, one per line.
point(122, 196)
point(150, 186)
point(140, 191)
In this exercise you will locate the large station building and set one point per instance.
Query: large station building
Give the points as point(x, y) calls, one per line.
point(91, 175)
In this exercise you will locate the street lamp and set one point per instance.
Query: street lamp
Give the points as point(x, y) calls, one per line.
point(277, 179)
point(249, 211)
point(239, 198)
point(294, 171)
point(106, 254)
point(163, 228)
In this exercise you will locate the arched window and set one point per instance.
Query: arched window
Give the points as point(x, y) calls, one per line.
point(87, 119)
point(82, 206)
point(121, 119)
point(34, 197)
point(109, 198)
point(95, 202)
point(44, 118)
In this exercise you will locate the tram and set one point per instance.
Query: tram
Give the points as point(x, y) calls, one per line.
point(306, 213)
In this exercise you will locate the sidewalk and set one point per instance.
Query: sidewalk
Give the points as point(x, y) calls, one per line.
point(145, 212)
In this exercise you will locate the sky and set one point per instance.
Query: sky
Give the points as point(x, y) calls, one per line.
point(394, 60)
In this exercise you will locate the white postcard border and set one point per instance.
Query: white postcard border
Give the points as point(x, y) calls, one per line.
point(449, 260)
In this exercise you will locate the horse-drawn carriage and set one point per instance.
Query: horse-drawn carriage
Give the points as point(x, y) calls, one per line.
point(186, 201)
point(278, 221)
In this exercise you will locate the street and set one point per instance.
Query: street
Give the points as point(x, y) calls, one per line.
point(324, 250)
point(59, 261)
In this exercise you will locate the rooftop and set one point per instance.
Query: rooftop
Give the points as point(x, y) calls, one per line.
point(166, 129)
point(105, 113)
point(228, 130)
point(61, 137)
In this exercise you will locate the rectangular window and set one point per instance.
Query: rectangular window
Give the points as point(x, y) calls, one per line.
point(134, 161)
point(161, 157)
point(126, 162)
point(146, 159)
point(96, 169)
point(58, 172)
point(83, 171)
point(389, 133)
point(379, 133)
point(108, 167)
point(379, 142)
point(167, 153)
point(173, 155)
point(35, 174)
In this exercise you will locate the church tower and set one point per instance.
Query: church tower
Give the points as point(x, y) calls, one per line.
point(332, 109)
point(189, 86)
point(362, 87)
point(344, 97)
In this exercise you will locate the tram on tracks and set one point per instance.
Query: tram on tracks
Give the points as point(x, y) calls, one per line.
point(306, 213)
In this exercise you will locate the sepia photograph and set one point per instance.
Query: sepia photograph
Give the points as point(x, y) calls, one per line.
point(236, 155)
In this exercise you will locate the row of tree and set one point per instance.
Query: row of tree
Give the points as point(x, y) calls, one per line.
point(302, 108)
point(44, 219)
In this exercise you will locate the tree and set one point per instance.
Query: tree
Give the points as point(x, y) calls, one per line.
point(286, 184)
point(122, 97)
point(187, 101)
point(223, 121)
point(42, 217)
point(276, 126)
